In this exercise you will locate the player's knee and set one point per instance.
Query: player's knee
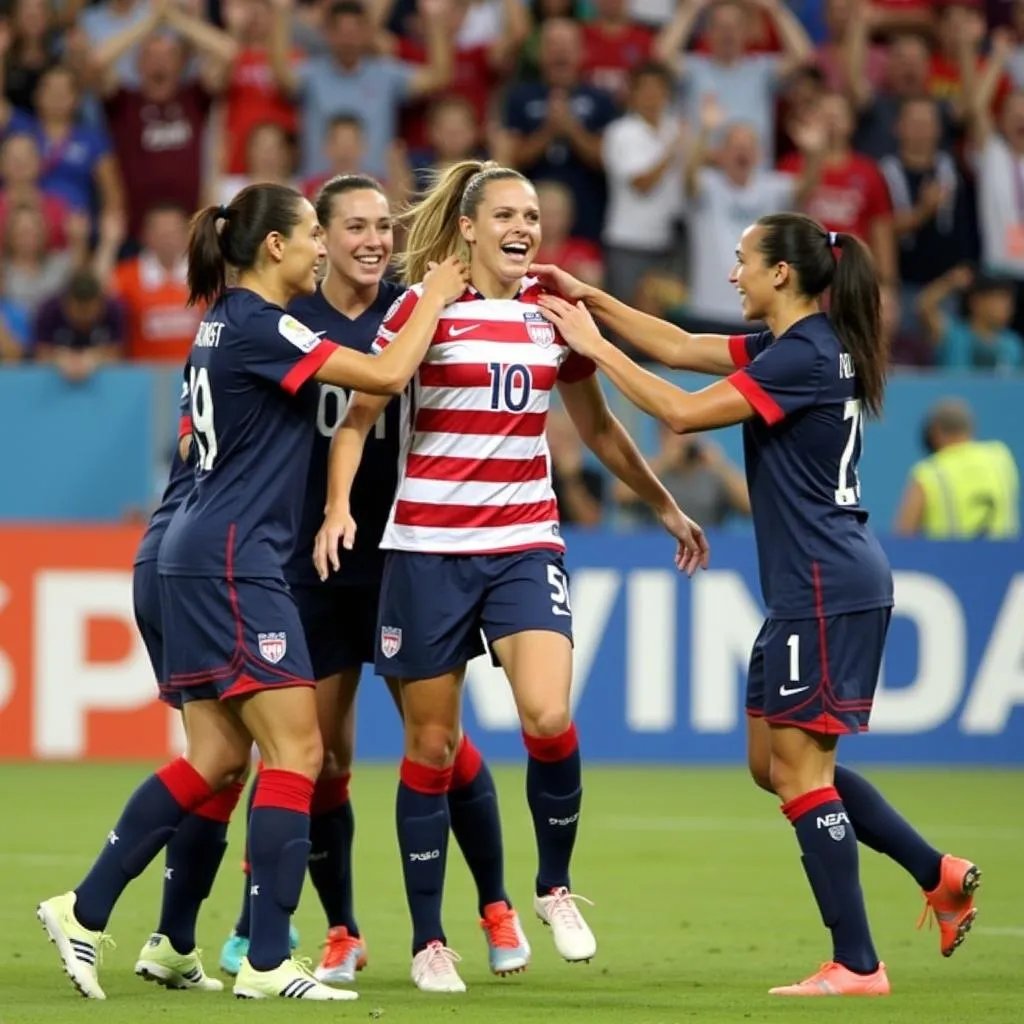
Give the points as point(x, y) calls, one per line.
point(546, 722)
point(220, 766)
point(433, 745)
point(337, 761)
point(303, 755)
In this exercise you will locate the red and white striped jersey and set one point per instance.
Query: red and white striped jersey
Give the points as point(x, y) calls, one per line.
point(474, 473)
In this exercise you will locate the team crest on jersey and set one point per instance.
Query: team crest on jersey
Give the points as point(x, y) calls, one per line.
point(272, 646)
point(390, 641)
point(541, 331)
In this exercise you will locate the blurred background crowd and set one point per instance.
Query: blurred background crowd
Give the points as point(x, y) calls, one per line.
point(654, 130)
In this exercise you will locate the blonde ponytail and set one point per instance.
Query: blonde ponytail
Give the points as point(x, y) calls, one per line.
point(432, 222)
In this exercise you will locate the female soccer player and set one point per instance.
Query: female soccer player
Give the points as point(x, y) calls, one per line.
point(339, 616)
point(473, 539)
point(234, 647)
point(802, 390)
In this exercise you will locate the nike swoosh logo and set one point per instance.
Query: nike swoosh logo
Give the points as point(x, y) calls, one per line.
point(319, 334)
point(455, 332)
point(784, 692)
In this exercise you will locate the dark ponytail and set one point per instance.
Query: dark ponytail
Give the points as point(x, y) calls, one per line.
point(855, 306)
point(233, 235)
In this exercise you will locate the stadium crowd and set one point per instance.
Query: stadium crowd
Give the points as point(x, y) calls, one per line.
point(655, 133)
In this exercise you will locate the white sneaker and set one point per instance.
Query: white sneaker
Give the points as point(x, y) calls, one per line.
point(80, 949)
point(573, 938)
point(292, 979)
point(159, 961)
point(433, 969)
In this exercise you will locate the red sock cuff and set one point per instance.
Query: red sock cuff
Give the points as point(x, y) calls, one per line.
point(330, 794)
point(287, 791)
point(423, 779)
point(468, 761)
point(807, 802)
point(552, 748)
point(185, 784)
point(221, 805)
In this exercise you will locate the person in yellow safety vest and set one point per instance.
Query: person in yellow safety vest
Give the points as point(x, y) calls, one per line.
point(965, 488)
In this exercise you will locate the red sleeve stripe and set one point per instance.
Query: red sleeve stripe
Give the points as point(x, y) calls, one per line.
point(488, 424)
point(738, 351)
point(764, 405)
point(307, 366)
point(184, 427)
point(477, 375)
point(490, 471)
point(473, 517)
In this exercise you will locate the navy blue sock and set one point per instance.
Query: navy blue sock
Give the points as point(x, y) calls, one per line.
point(830, 858)
point(473, 808)
point(880, 826)
point(332, 827)
point(146, 825)
point(193, 859)
point(244, 922)
point(421, 810)
point(554, 791)
point(278, 856)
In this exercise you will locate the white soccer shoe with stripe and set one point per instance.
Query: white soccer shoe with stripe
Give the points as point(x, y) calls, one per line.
point(433, 969)
point(159, 961)
point(80, 949)
point(573, 938)
point(291, 980)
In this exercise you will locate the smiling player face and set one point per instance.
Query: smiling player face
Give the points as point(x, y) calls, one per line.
point(302, 251)
point(505, 233)
point(360, 237)
point(755, 281)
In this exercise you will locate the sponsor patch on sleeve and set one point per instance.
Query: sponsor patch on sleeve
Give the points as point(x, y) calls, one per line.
point(297, 334)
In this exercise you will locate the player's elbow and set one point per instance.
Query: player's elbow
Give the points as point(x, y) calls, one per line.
point(676, 419)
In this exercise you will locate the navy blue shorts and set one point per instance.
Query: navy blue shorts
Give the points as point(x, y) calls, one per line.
point(227, 638)
point(149, 619)
point(340, 624)
point(434, 607)
point(818, 674)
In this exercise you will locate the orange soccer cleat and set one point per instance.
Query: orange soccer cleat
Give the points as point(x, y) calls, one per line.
point(952, 902)
point(344, 954)
point(836, 980)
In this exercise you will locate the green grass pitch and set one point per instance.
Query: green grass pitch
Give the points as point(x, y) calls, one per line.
point(700, 906)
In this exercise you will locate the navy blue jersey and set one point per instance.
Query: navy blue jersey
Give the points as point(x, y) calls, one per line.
point(253, 434)
point(373, 489)
point(178, 485)
point(816, 553)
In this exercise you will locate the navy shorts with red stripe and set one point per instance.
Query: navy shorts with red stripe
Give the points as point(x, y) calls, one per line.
point(433, 608)
point(149, 619)
point(340, 626)
point(818, 674)
point(226, 638)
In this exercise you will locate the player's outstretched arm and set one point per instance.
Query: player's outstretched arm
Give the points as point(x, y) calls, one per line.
point(346, 452)
point(662, 341)
point(389, 372)
point(606, 437)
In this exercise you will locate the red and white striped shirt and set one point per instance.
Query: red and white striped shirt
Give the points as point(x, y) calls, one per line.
point(474, 467)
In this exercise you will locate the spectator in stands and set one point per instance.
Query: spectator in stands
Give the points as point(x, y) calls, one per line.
point(613, 46)
point(965, 488)
point(744, 85)
point(696, 472)
point(29, 45)
point(960, 30)
point(643, 155)
point(579, 256)
point(252, 97)
point(32, 271)
point(907, 74)
point(158, 129)
point(726, 196)
point(1013, 37)
point(79, 330)
point(270, 157)
point(352, 81)
point(20, 168)
point(152, 288)
point(544, 11)
point(983, 340)
point(933, 214)
point(453, 135)
point(579, 489)
point(110, 19)
point(843, 19)
point(852, 195)
point(78, 164)
point(15, 327)
point(553, 127)
point(889, 17)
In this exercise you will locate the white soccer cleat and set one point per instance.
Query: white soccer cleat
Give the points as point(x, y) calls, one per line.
point(159, 961)
point(573, 938)
point(433, 969)
point(80, 949)
point(292, 979)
